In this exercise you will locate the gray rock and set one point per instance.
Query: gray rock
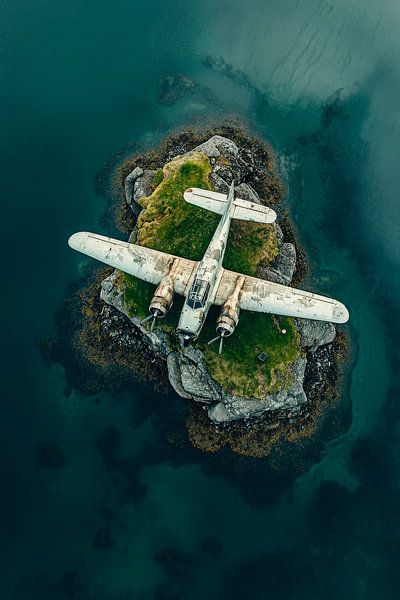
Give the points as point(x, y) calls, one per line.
point(143, 187)
point(217, 146)
point(133, 236)
point(278, 233)
point(195, 380)
point(111, 294)
point(174, 86)
point(315, 333)
point(282, 268)
point(174, 376)
point(209, 149)
point(130, 182)
point(246, 192)
point(219, 184)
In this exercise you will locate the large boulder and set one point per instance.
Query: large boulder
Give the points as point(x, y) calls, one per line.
point(219, 184)
point(228, 162)
point(246, 192)
point(138, 184)
point(217, 146)
point(194, 379)
point(130, 183)
point(175, 377)
point(278, 232)
point(143, 185)
point(281, 270)
point(315, 333)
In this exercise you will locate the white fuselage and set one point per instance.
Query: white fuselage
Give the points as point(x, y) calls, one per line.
point(205, 283)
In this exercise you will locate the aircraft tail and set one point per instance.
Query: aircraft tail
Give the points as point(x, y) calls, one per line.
point(219, 203)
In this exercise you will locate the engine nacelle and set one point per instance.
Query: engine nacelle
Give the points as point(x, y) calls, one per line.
point(228, 318)
point(229, 315)
point(162, 299)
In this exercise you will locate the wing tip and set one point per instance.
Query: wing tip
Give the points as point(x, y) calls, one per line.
point(341, 313)
point(77, 240)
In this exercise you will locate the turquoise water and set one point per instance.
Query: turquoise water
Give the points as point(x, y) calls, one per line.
point(79, 84)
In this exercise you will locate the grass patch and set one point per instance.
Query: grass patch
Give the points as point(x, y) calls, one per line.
point(157, 178)
point(238, 369)
point(169, 224)
point(137, 294)
point(250, 244)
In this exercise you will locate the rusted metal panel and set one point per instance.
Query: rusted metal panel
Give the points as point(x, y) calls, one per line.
point(226, 286)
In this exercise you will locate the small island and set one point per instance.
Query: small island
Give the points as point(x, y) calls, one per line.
point(275, 372)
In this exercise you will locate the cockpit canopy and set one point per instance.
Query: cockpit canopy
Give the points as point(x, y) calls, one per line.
point(197, 297)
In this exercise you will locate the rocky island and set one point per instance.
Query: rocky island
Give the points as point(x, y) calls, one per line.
point(248, 402)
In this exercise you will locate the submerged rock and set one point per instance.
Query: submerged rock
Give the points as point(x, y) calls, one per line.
point(49, 456)
point(173, 86)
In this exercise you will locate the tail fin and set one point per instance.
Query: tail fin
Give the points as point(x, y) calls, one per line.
point(218, 203)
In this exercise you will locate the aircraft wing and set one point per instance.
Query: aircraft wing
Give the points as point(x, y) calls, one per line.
point(145, 263)
point(259, 295)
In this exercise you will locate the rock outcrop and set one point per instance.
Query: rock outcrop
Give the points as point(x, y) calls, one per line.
point(281, 270)
point(130, 184)
point(315, 333)
point(138, 184)
point(291, 399)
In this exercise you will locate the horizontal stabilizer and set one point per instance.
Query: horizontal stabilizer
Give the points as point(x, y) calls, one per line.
point(249, 211)
point(242, 209)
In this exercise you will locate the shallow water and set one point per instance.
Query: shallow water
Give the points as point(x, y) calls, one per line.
point(78, 84)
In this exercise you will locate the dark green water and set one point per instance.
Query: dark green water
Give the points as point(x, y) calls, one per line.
point(79, 82)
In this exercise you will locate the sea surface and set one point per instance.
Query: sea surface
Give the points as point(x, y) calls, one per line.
point(130, 515)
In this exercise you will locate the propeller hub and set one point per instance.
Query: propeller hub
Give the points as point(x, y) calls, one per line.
point(187, 338)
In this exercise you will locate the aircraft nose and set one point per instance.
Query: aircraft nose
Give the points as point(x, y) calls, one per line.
point(77, 241)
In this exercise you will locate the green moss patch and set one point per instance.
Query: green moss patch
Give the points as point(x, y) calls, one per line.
point(239, 370)
point(169, 224)
point(250, 244)
point(157, 178)
point(137, 294)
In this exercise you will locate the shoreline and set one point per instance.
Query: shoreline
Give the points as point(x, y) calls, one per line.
point(95, 348)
